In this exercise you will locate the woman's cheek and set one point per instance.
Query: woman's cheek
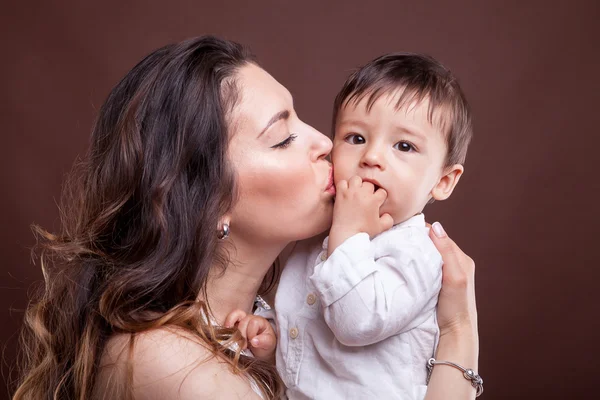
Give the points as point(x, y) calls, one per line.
point(276, 182)
point(292, 185)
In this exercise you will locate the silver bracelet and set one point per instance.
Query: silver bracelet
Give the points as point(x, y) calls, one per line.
point(469, 374)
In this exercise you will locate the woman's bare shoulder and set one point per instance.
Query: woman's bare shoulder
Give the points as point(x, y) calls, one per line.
point(171, 363)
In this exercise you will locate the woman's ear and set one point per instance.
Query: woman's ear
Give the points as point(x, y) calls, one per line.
point(443, 189)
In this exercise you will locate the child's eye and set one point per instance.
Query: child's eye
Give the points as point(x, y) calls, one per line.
point(405, 146)
point(354, 138)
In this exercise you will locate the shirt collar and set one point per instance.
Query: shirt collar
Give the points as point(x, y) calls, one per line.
point(416, 221)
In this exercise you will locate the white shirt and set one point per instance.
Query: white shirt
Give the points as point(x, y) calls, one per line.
point(361, 324)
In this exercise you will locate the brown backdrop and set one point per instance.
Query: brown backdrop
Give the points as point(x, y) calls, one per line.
point(526, 210)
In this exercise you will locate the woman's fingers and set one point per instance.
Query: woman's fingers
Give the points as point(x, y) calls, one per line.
point(456, 304)
point(458, 267)
point(444, 244)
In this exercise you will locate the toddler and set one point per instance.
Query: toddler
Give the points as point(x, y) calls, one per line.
point(356, 311)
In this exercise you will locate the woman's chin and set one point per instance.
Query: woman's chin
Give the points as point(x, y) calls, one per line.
point(318, 227)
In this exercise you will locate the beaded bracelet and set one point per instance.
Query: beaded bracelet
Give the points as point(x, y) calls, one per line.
point(469, 374)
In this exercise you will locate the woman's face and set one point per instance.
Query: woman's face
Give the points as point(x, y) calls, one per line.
point(285, 186)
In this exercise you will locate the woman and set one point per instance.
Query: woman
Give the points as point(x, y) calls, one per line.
point(195, 144)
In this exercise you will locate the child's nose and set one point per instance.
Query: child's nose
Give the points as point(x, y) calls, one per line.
point(373, 158)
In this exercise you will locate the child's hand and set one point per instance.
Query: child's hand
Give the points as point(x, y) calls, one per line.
point(356, 210)
point(258, 332)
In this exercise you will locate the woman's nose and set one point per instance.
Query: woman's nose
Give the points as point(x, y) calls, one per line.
point(321, 146)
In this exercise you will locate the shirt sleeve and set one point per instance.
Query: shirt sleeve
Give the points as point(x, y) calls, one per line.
point(367, 299)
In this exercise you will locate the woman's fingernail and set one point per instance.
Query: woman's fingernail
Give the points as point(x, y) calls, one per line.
point(254, 342)
point(438, 229)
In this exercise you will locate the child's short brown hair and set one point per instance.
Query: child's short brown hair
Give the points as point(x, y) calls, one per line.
point(420, 78)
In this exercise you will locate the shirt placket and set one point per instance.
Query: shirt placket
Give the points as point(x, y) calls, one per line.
point(306, 312)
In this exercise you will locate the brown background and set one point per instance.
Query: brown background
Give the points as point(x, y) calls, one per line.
point(526, 209)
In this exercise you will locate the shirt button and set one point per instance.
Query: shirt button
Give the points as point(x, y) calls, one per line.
point(294, 333)
point(311, 299)
point(323, 256)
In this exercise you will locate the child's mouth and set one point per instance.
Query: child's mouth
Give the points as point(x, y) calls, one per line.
point(376, 185)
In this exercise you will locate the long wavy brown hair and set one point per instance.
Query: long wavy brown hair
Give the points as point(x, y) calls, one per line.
point(139, 218)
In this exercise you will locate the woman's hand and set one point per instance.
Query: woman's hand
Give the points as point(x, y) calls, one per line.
point(457, 312)
point(457, 319)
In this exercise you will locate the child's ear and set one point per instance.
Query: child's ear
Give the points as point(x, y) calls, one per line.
point(443, 189)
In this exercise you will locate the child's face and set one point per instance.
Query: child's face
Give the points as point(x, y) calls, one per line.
point(398, 150)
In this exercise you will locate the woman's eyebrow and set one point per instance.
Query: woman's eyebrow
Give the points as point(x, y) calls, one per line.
point(280, 115)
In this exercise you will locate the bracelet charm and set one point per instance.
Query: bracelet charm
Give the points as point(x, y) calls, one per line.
point(469, 374)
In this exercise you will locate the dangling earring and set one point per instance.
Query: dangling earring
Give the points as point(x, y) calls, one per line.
point(224, 232)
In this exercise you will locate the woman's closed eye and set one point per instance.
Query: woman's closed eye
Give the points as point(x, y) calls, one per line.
point(354, 138)
point(405, 146)
point(286, 142)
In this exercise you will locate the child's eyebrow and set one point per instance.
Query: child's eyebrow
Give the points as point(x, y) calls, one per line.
point(356, 122)
point(412, 132)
